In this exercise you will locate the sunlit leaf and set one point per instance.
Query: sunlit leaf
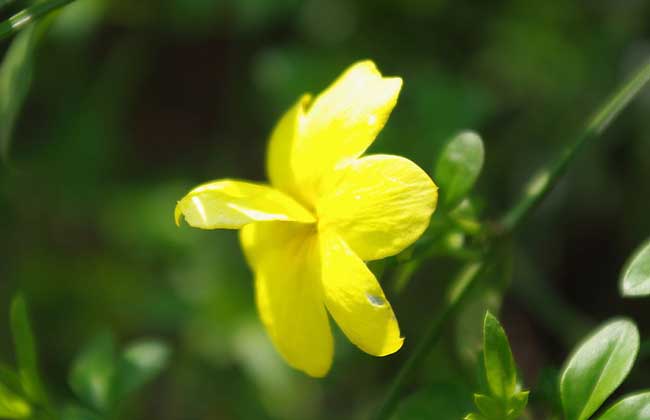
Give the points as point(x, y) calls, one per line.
point(517, 405)
point(474, 416)
point(139, 364)
point(633, 407)
point(458, 167)
point(91, 376)
point(500, 368)
point(490, 407)
point(25, 346)
point(12, 406)
point(15, 80)
point(597, 368)
point(635, 278)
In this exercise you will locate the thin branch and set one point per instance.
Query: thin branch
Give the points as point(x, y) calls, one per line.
point(29, 15)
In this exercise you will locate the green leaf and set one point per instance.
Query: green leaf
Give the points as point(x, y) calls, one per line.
point(91, 376)
point(25, 347)
point(517, 405)
point(597, 368)
point(635, 278)
point(458, 167)
point(139, 364)
point(500, 368)
point(10, 379)
point(474, 416)
point(633, 407)
point(490, 407)
point(31, 14)
point(12, 406)
point(15, 80)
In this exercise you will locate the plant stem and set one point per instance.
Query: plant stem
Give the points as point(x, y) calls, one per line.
point(542, 183)
point(539, 186)
point(26, 16)
point(458, 291)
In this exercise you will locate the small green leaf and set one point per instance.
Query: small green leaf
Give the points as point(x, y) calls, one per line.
point(517, 405)
point(490, 407)
point(597, 368)
point(474, 416)
point(91, 376)
point(140, 363)
point(15, 80)
point(12, 406)
point(635, 278)
point(25, 347)
point(500, 368)
point(633, 407)
point(458, 167)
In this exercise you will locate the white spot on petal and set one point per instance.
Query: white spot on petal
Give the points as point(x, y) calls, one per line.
point(375, 300)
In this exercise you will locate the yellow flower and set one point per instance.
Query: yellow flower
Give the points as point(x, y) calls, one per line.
point(327, 210)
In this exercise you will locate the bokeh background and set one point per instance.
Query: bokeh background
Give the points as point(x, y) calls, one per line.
point(135, 102)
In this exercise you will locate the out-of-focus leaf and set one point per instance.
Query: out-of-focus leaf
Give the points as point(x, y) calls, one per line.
point(500, 368)
point(440, 401)
point(10, 379)
point(12, 406)
point(633, 407)
point(91, 376)
point(458, 167)
point(15, 80)
point(635, 278)
point(79, 20)
point(486, 295)
point(25, 350)
point(5, 3)
point(597, 368)
point(140, 363)
point(474, 416)
point(74, 412)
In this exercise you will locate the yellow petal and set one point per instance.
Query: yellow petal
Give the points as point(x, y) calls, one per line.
point(286, 260)
point(283, 138)
point(228, 204)
point(379, 204)
point(341, 123)
point(355, 299)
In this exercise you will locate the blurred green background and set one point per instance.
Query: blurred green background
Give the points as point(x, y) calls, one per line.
point(135, 102)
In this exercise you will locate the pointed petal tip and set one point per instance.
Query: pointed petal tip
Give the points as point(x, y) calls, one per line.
point(391, 348)
point(317, 373)
point(178, 213)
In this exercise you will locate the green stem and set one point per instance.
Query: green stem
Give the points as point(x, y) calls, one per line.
point(538, 188)
point(542, 183)
point(457, 293)
point(29, 15)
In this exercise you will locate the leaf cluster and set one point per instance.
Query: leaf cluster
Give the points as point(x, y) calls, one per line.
point(101, 377)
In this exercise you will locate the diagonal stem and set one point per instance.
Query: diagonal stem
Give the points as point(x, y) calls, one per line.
point(542, 183)
point(29, 15)
point(459, 290)
point(539, 186)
